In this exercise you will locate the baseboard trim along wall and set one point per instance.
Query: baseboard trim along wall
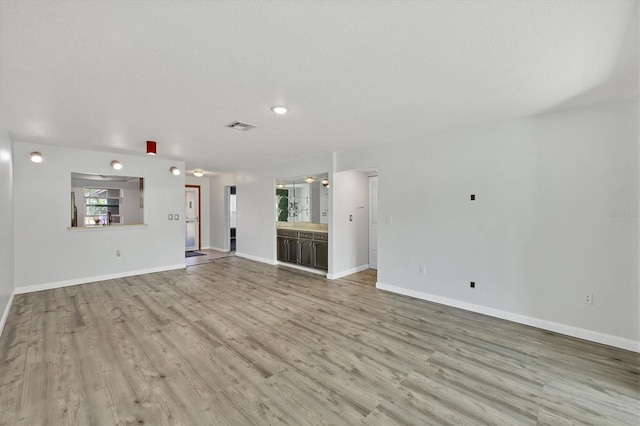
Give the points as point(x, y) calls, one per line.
point(256, 258)
point(217, 249)
point(341, 274)
point(86, 280)
point(5, 314)
point(569, 330)
point(301, 268)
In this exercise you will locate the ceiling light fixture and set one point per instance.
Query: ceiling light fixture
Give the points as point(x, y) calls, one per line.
point(175, 170)
point(280, 185)
point(36, 157)
point(325, 182)
point(151, 148)
point(116, 165)
point(198, 173)
point(309, 179)
point(279, 109)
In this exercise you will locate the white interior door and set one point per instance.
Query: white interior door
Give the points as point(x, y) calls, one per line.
point(192, 217)
point(373, 222)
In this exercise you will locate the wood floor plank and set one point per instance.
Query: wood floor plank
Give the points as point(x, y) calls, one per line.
point(239, 342)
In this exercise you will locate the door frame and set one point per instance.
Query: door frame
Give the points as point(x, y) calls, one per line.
point(226, 233)
point(371, 208)
point(199, 214)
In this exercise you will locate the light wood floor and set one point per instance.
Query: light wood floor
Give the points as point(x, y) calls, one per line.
point(237, 342)
point(209, 256)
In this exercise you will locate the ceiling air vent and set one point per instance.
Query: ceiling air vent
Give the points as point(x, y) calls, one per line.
point(240, 126)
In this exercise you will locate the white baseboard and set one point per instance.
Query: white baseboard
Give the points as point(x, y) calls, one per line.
point(256, 258)
point(301, 268)
point(86, 280)
point(341, 274)
point(569, 330)
point(5, 314)
point(218, 249)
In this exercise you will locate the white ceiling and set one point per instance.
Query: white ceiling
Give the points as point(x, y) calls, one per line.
point(109, 75)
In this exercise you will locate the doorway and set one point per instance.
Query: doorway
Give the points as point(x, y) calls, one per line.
point(373, 222)
point(192, 217)
point(232, 218)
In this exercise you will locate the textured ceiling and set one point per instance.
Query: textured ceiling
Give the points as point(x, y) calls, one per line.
point(111, 75)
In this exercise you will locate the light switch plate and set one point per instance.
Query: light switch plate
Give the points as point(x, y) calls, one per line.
point(170, 216)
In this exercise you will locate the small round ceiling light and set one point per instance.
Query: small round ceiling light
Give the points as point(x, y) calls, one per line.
point(175, 170)
point(280, 185)
point(36, 157)
point(325, 182)
point(198, 173)
point(116, 165)
point(279, 110)
point(309, 179)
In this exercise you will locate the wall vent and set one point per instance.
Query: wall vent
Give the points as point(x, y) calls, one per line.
point(240, 126)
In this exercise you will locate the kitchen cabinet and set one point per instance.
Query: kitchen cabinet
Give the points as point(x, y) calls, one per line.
point(292, 250)
point(309, 249)
point(321, 255)
point(282, 249)
point(305, 253)
point(287, 245)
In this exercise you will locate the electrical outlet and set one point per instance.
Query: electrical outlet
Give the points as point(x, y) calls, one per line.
point(422, 270)
point(472, 284)
point(587, 299)
point(170, 216)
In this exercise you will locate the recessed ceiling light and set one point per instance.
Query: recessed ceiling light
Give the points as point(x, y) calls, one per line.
point(116, 165)
point(279, 109)
point(198, 173)
point(175, 170)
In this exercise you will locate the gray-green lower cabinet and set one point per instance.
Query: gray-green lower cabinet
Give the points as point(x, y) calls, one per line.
point(321, 255)
point(305, 253)
point(310, 249)
point(283, 248)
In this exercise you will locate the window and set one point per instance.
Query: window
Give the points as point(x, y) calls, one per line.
point(102, 205)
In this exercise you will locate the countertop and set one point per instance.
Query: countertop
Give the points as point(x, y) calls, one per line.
point(303, 227)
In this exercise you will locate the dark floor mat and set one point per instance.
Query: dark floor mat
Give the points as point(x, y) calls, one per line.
point(192, 254)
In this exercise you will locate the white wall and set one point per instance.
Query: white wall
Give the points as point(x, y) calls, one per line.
point(219, 234)
point(256, 232)
point(324, 204)
point(555, 218)
point(351, 253)
point(131, 213)
point(7, 259)
point(49, 254)
point(205, 207)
